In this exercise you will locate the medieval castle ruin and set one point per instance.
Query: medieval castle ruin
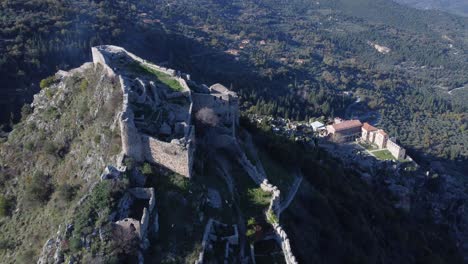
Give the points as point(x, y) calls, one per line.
point(155, 123)
point(158, 107)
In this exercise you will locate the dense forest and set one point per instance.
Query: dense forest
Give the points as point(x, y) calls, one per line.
point(298, 59)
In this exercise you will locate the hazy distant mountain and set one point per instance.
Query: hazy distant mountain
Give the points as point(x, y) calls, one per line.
point(459, 7)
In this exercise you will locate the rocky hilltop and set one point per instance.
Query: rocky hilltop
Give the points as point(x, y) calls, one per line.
point(120, 138)
point(125, 161)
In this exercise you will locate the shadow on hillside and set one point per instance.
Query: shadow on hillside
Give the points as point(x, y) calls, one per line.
point(205, 65)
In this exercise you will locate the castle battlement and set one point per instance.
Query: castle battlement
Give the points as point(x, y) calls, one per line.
point(158, 107)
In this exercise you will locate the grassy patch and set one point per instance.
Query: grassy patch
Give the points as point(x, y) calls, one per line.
point(383, 154)
point(47, 82)
point(162, 77)
point(253, 201)
point(271, 217)
point(180, 227)
point(257, 196)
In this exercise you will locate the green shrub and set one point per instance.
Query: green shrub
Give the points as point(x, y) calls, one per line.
point(3, 206)
point(26, 257)
point(66, 192)
point(6, 244)
point(271, 217)
point(26, 110)
point(75, 244)
point(47, 82)
point(50, 148)
point(146, 169)
point(180, 182)
point(259, 196)
point(29, 145)
point(84, 85)
point(49, 93)
point(38, 189)
point(97, 139)
point(250, 234)
point(129, 163)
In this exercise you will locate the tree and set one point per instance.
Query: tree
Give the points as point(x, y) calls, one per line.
point(47, 82)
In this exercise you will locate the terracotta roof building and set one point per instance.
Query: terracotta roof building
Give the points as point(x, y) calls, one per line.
point(368, 133)
point(345, 131)
point(366, 126)
point(381, 139)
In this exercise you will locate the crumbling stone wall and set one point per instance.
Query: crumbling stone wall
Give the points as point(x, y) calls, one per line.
point(141, 226)
point(222, 101)
point(283, 239)
point(258, 175)
point(98, 58)
point(210, 235)
point(174, 156)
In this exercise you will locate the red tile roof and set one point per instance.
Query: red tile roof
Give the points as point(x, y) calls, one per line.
point(348, 124)
point(382, 133)
point(368, 127)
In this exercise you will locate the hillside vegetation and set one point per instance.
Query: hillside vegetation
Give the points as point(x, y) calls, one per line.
point(336, 217)
point(52, 158)
point(299, 60)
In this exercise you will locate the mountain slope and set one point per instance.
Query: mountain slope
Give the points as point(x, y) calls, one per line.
point(310, 56)
point(236, 197)
point(54, 155)
point(458, 7)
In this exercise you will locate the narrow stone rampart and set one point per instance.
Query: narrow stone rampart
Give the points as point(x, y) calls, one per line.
point(205, 241)
point(258, 175)
point(98, 58)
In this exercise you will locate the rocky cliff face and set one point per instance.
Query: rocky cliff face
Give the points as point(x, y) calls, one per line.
point(70, 169)
point(53, 157)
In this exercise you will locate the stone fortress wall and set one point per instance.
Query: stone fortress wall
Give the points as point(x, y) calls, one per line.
point(98, 58)
point(258, 175)
point(176, 155)
point(224, 103)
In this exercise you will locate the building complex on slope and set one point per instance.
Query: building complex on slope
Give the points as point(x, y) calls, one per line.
point(351, 130)
point(345, 131)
